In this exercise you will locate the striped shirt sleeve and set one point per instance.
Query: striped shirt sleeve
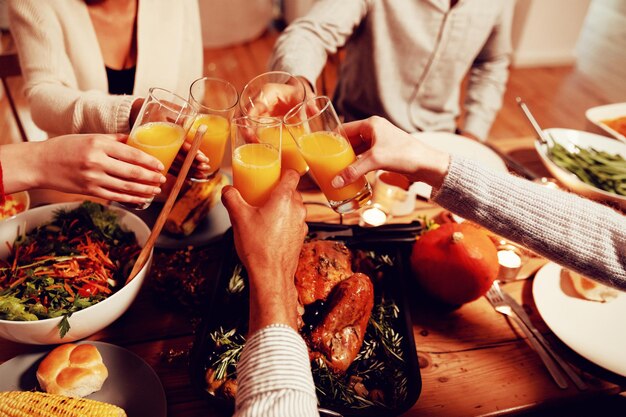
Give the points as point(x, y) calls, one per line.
point(274, 376)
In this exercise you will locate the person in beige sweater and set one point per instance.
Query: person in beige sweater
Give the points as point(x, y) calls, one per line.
point(88, 63)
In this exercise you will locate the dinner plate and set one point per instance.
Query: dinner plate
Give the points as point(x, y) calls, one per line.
point(592, 329)
point(610, 111)
point(459, 146)
point(132, 384)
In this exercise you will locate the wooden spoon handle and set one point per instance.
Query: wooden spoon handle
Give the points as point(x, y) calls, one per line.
point(169, 203)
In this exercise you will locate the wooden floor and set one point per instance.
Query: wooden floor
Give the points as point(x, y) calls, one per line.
point(558, 96)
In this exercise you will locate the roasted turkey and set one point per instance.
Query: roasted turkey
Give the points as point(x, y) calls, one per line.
point(342, 301)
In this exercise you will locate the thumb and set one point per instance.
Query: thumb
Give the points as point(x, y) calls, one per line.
point(354, 171)
point(120, 137)
point(234, 203)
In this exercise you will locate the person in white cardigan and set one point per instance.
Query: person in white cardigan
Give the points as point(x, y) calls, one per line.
point(66, 46)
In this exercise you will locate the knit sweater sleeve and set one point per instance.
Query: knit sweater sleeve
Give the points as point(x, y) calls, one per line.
point(576, 233)
point(57, 104)
point(303, 47)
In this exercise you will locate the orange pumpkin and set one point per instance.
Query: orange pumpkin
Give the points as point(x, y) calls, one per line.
point(455, 263)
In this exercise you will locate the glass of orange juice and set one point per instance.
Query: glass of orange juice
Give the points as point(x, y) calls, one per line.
point(323, 144)
point(256, 164)
point(215, 101)
point(273, 94)
point(161, 126)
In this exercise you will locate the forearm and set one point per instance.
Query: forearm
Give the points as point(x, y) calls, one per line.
point(303, 47)
point(574, 232)
point(274, 375)
point(63, 110)
point(21, 164)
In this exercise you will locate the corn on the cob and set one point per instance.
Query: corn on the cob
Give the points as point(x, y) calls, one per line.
point(40, 404)
point(194, 205)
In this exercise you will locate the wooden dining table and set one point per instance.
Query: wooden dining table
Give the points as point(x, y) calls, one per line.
point(473, 361)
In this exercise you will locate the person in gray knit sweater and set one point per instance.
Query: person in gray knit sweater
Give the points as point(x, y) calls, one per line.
point(405, 60)
point(577, 233)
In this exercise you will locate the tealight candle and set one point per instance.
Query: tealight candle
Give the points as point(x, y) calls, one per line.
point(372, 217)
point(510, 262)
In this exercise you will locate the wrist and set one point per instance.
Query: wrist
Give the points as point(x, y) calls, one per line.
point(434, 168)
point(20, 163)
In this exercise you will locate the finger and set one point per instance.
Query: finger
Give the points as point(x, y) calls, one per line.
point(119, 137)
point(354, 171)
point(200, 156)
point(359, 134)
point(289, 180)
point(136, 173)
point(133, 156)
point(234, 203)
point(119, 196)
point(130, 187)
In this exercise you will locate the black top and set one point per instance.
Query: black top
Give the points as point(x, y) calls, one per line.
point(121, 81)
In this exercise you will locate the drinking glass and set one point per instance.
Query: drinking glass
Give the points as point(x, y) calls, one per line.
point(215, 101)
point(324, 145)
point(160, 127)
point(256, 164)
point(273, 94)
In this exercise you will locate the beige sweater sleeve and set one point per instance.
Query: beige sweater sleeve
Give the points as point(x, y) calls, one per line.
point(576, 233)
point(57, 104)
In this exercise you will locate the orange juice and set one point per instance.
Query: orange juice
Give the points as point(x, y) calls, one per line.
point(256, 171)
point(290, 155)
point(327, 154)
point(159, 139)
point(214, 140)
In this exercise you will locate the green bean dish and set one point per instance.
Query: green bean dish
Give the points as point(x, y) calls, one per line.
point(597, 168)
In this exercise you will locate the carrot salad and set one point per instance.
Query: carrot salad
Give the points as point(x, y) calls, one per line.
point(73, 262)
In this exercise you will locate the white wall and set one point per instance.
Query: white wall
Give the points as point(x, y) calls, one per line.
point(545, 32)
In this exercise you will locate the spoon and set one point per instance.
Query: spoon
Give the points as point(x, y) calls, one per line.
point(540, 133)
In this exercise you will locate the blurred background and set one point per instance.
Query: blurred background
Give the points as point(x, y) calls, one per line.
point(569, 56)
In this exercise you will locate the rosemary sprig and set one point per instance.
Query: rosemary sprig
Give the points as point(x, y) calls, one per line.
point(230, 345)
point(236, 283)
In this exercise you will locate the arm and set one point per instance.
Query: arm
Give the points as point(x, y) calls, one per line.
point(56, 103)
point(577, 233)
point(274, 373)
point(303, 47)
point(488, 76)
point(97, 165)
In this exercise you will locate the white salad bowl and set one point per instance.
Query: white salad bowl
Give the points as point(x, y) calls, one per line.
point(85, 322)
point(569, 139)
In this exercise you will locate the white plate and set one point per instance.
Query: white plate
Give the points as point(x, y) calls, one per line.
point(459, 146)
point(132, 384)
point(611, 111)
point(594, 330)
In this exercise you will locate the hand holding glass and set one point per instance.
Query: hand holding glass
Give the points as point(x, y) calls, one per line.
point(273, 94)
point(256, 164)
point(160, 127)
point(215, 101)
point(323, 144)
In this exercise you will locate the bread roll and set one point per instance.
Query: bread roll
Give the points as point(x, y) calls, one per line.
point(72, 370)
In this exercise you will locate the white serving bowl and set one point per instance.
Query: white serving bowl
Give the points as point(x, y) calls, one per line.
point(597, 116)
point(568, 138)
point(85, 322)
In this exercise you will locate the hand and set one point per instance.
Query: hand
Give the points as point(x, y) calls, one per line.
point(98, 165)
point(384, 146)
point(268, 240)
point(275, 100)
point(200, 168)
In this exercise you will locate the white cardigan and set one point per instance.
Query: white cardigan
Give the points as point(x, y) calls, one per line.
point(66, 82)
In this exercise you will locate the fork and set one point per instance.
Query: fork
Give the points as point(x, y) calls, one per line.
point(500, 305)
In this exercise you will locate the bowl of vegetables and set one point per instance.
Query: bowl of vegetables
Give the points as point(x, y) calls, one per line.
point(591, 165)
point(63, 270)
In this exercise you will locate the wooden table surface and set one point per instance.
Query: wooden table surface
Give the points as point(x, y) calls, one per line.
point(473, 361)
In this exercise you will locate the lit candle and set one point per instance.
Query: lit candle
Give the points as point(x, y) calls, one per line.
point(509, 259)
point(373, 217)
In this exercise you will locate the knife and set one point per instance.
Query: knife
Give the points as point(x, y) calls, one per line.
point(521, 313)
point(392, 233)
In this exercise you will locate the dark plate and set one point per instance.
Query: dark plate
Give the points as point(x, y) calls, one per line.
point(401, 380)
